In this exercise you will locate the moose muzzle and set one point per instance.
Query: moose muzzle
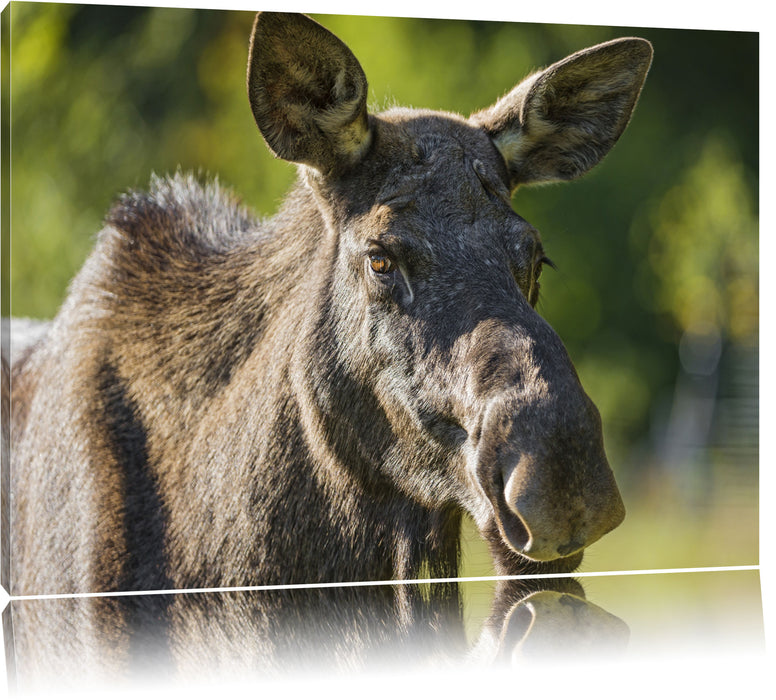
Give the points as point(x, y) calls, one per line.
point(543, 468)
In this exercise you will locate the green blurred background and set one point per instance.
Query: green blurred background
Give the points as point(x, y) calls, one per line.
point(656, 288)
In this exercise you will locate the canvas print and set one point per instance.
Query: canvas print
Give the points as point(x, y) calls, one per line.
point(332, 299)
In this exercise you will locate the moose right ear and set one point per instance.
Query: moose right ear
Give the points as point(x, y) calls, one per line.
point(560, 122)
point(308, 92)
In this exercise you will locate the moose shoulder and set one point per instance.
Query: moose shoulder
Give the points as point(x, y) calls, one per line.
point(319, 397)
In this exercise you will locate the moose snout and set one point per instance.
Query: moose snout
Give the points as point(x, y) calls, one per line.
point(547, 515)
point(551, 490)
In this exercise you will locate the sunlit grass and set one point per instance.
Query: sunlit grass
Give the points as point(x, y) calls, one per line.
point(658, 535)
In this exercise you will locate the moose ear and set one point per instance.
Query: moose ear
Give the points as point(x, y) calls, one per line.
point(307, 92)
point(558, 123)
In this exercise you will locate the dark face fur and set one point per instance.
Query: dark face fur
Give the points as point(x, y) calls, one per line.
point(427, 281)
point(433, 289)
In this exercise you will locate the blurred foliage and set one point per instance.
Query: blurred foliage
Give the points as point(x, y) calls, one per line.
point(659, 239)
point(702, 243)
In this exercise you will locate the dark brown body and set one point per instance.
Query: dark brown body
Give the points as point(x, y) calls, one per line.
point(319, 397)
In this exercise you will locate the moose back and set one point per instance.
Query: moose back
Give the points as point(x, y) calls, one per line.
point(319, 397)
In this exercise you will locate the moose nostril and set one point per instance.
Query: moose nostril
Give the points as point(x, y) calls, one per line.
point(515, 531)
point(510, 521)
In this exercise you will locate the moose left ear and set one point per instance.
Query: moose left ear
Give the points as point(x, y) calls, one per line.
point(308, 92)
point(558, 123)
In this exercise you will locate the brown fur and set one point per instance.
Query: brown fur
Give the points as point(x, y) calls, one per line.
point(225, 401)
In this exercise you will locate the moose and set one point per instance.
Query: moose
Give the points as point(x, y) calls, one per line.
point(320, 396)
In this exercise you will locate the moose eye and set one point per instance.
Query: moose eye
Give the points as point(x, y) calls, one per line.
point(381, 264)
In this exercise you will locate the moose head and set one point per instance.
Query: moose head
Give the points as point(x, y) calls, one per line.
point(456, 389)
